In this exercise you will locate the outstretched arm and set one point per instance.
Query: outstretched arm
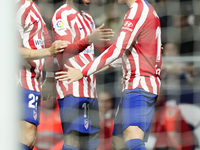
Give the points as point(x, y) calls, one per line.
point(104, 59)
point(32, 54)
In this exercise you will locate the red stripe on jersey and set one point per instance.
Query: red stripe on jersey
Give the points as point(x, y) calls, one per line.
point(58, 13)
point(82, 26)
point(158, 83)
point(78, 35)
point(132, 67)
point(88, 57)
point(87, 24)
point(149, 85)
point(89, 86)
point(78, 60)
point(24, 16)
point(81, 63)
point(107, 55)
point(40, 74)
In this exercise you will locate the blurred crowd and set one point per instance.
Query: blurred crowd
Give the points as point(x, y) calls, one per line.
point(176, 124)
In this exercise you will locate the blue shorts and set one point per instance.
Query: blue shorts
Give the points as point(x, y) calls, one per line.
point(80, 114)
point(31, 106)
point(136, 108)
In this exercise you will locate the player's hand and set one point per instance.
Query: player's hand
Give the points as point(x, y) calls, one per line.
point(100, 35)
point(48, 89)
point(58, 47)
point(70, 76)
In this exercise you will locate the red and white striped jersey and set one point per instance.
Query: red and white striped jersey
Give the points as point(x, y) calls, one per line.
point(139, 46)
point(70, 25)
point(33, 33)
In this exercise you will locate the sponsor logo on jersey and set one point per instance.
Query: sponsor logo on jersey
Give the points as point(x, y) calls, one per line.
point(81, 28)
point(89, 50)
point(127, 26)
point(39, 42)
point(86, 123)
point(92, 25)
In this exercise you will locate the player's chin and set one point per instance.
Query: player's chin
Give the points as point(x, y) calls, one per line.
point(86, 2)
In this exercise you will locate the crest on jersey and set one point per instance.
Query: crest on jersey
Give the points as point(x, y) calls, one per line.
point(34, 114)
point(86, 123)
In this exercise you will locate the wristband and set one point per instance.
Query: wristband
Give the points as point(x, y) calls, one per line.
point(50, 75)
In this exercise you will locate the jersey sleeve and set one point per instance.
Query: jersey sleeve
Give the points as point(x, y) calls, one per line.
point(132, 25)
point(130, 30)
point(116, 63)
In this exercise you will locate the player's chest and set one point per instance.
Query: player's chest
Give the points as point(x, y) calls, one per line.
point(81, 27)
point(34, 24)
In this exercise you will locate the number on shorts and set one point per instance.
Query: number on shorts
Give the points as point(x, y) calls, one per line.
point(32, 101)
point(86, 110)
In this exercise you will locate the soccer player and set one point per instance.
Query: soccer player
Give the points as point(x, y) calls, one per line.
point(78, 101)
point(35, 44)
point(139, 47)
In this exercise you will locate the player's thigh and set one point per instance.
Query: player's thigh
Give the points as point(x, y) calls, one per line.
point(137, 113)
point(28, 133)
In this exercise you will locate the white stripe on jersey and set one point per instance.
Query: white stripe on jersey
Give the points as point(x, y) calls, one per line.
point(139, 23)
point(37, 62)
point(153, 83)
point(28, 80)
point(81, 18)
point(143, 83)
point(20, 12)
point(38, 13)
point(133, 11)
point(75, 84)
point(82, 33)
point(59, 89)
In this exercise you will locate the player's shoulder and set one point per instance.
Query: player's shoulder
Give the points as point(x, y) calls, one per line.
point(64, 11)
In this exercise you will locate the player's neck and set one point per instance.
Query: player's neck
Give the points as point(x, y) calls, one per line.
point(130, 2)
point(71, 4)
point(29, 0)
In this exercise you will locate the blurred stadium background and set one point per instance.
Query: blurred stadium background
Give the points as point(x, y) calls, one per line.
point(180, 22)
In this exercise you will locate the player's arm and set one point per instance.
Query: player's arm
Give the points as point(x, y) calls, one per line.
point(49, 86)
point(32, 54)
point(123, 42)
point(99, 35)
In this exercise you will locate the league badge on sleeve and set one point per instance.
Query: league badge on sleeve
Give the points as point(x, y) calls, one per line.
point(59, 24)
point(60, 27)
